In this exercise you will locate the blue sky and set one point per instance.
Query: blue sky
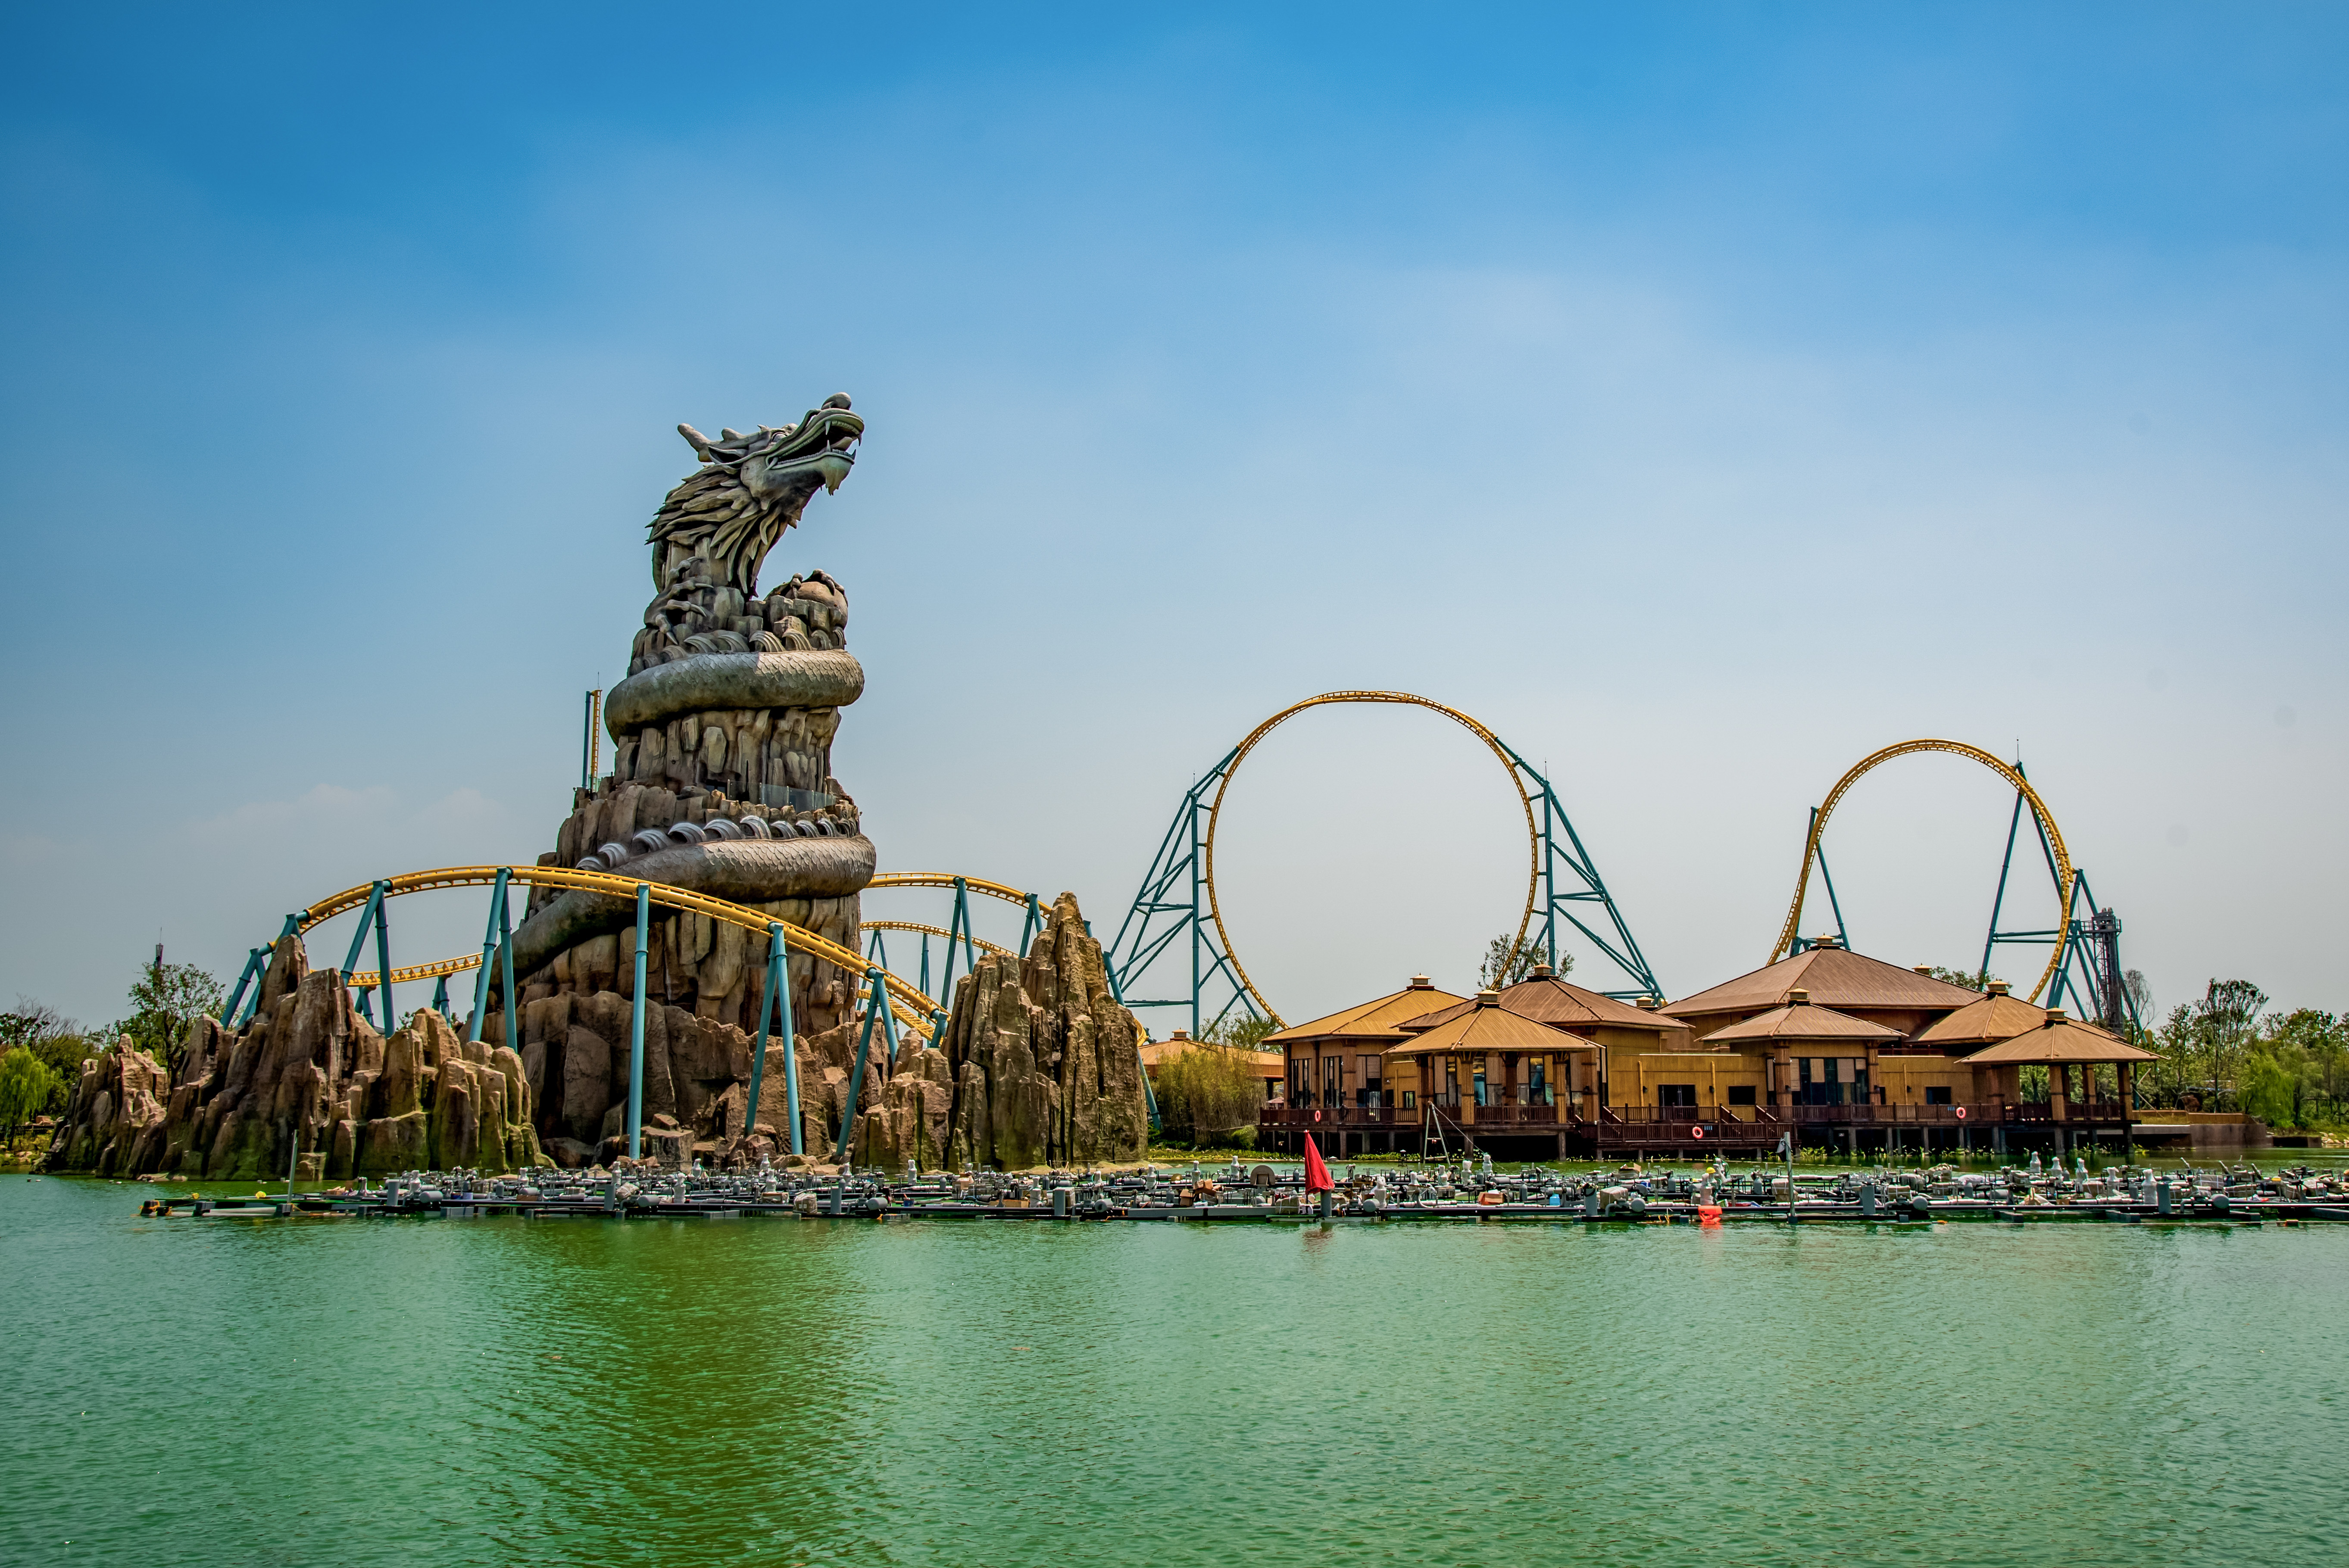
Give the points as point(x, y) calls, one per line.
point(1702, 396)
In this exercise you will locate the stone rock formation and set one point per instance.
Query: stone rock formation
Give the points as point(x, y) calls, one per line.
point(1043, 1060)
point(721, 782)
point(305, 1074)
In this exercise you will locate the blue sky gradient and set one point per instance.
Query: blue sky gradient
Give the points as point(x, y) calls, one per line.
point(1702, 396)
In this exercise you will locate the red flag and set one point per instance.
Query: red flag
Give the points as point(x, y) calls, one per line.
point(1317, 1175)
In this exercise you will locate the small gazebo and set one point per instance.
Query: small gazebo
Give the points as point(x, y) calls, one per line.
point(2060, 1045)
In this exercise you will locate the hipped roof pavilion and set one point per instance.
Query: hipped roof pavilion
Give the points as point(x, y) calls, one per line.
point(1798, 1022)
point(1374, 1022)
point(1484, 1024)
point(2059, 1042)
point(1996, 1016)
point(1546, 998)
point(1834, 977)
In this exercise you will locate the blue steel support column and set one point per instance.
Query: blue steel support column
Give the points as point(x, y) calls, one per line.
point(637, 1028)
point(1549, 876)
point(791, 1049)
point(383, 952)
point(1998, 901)
point(1029, 927)
point(252, 967)
point(293, 928)
point(358, 937)
point(489, 952)
point(441, 995)
point(1191, 812)
point(1149, 1096)
point(958, 929)
point(879, 1003)
point(778, 992)
point(1833, 903)
point(505, 962)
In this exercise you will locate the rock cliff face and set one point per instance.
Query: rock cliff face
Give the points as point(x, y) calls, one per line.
point(1043, 1061)
point(307, 1073)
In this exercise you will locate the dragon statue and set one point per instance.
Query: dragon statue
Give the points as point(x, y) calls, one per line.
point(747, 491)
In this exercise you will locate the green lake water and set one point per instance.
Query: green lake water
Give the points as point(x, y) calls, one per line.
point(686, 1392)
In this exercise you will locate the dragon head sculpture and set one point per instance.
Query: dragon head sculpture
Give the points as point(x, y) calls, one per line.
point(728, 514)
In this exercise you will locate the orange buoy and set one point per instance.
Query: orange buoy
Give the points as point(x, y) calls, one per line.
point(1708, 1213)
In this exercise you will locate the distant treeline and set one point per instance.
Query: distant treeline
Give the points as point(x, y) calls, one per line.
point(41, 1050)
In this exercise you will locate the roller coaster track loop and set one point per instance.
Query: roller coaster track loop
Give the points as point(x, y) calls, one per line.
point(906, 1001)
point(2022, 786)
point(918, 928)
point(1493, 742)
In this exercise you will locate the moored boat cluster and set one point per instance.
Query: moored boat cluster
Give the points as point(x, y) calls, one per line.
point(1453, 1191)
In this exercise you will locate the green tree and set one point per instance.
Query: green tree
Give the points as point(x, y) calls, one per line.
point(2228, 1023)
point(1507, 962)
point(1246, 1032)
point(1208, 1096)
point(28, 1088)
point(1969, 979)
point(167, 999)
point(56, 1040)
point(2179, 1044)
point(2267, 1087)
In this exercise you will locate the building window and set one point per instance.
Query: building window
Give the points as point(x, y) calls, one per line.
point(1741, 1094)
point(1410, 1100)
point(1367, 1068)
point(1676, 1095)
point(1480, 1086)
point(1937, 1094)
point(1333, 1070)
point(1537, 1082)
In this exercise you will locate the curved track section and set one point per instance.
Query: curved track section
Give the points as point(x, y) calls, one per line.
point(919, 929)
point(367, 979)
point(2022, 786)
point(1008, 894)
point(906, 1001)
point(1493, 743)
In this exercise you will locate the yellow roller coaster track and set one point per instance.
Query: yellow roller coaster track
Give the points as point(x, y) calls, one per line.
point(948, 879)
point(918, 928)
point(1214, 812)
point(367, 979)
point(906, 1001)
point(1956, 749)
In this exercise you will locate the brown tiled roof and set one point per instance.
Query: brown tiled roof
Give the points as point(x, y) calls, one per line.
point(1994, 1017)
point(2058, 1040)
point(1559, 1003)
point(1374, 1020)
point(1834, 977)
point(1802, 1023)
point(1496, 1028)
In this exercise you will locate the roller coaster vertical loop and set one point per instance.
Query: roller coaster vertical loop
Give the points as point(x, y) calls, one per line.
point(2060, 858)
point(1178, 897)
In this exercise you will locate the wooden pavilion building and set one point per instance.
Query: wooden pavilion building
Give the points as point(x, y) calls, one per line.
point(1829, 1045)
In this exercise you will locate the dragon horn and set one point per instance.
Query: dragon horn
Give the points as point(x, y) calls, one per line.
point(700, 442)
